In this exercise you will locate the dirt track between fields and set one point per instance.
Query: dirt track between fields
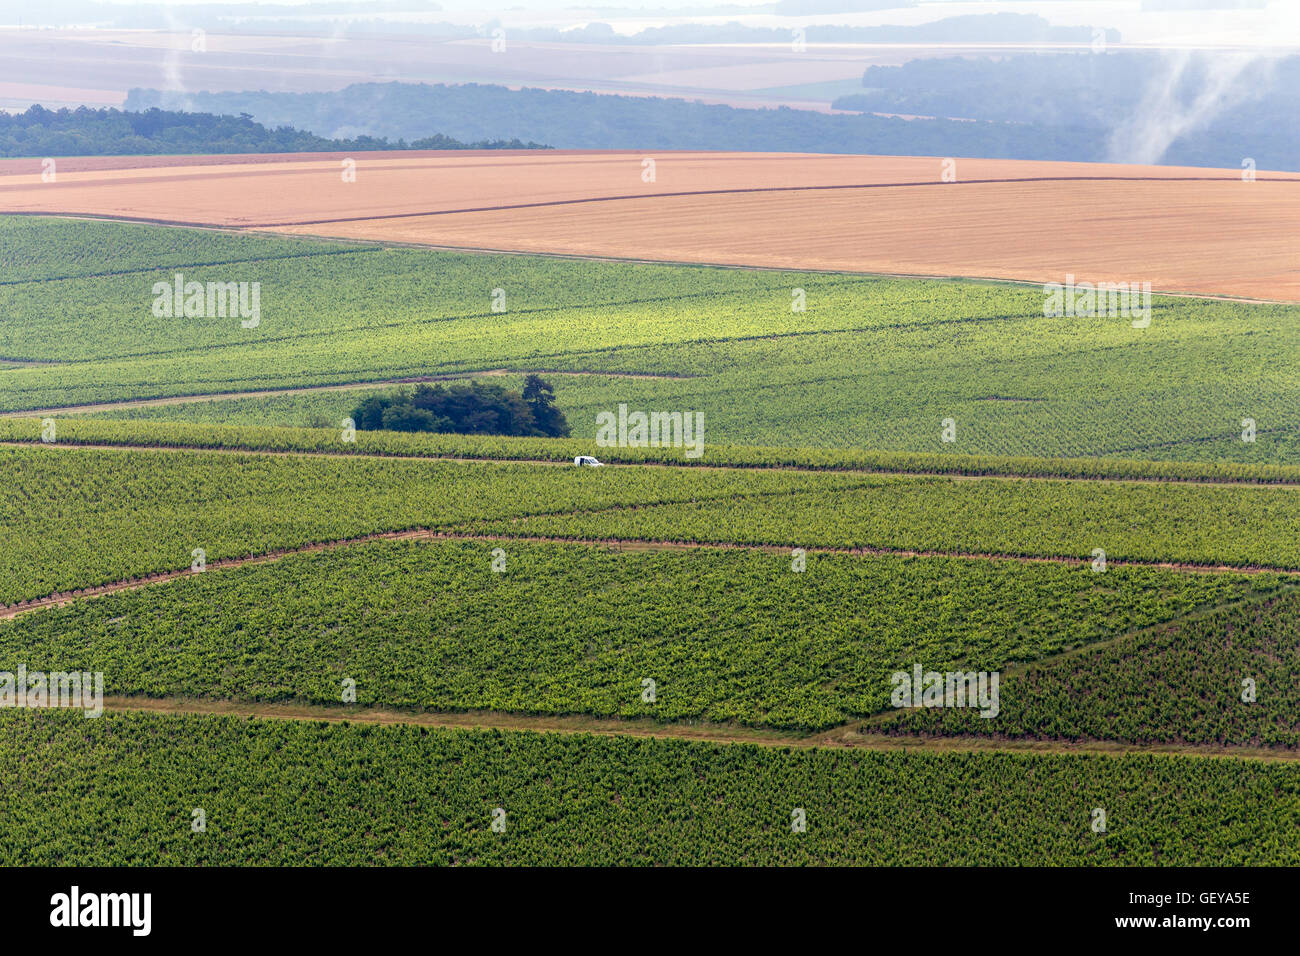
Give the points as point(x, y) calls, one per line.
point(62, 598)
point(846, 737)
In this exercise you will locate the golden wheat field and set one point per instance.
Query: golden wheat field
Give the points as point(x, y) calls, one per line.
point(1006, 219)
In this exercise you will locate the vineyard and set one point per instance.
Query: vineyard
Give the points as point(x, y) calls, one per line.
point(295, 792)
point(41, 250)
point(1146, 522)
point(75, 513)
point(1184, 683)
point(351, 648)
point(125, 430)
point(771, 358)
point(725, 636)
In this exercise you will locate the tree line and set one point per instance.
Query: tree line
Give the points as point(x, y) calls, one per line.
point(151, 132)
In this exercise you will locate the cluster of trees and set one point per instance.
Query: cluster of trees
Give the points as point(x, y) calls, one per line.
point(473, 408)
point(112, 132)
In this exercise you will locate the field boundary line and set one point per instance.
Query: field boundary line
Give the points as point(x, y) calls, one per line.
point(71, 443)
point(586, 200)
point(621, 545)
point(373, 247)
point(7, 360)
point(412, 324)
point(708, 264)
point(925, 325)
point(128, 403)
point(641, 727)
point(1197, 440)
point(746, 190)
point(1015, 669)
point(588, 257)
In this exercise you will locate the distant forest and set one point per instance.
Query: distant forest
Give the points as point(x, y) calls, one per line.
point(568, 120)
point(1091, 126)
point(1060, 88)
point(111, 132)
point(1139, 100)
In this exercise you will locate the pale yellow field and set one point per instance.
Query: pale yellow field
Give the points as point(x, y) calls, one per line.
point(1181, 229)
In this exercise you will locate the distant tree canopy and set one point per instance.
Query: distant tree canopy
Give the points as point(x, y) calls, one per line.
point(1079, 105)
point(474, 408)
point(151, 132)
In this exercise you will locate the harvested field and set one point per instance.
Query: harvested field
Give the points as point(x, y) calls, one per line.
point(1001, 219)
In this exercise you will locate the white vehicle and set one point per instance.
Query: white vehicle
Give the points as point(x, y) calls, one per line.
point(588, 461)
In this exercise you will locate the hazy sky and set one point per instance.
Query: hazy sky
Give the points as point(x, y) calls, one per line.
point(1277, 26)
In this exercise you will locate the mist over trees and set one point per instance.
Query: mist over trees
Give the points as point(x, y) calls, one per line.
point(1006, 113)
point(567, 120)
point(1185, 108)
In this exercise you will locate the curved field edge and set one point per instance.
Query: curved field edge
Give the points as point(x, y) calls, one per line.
point(303, 793)
point(329, 441)
point(870, 363)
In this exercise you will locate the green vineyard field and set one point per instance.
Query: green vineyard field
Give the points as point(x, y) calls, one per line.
point(871, 363)
point(724, 636)
point(281, 792)
point(75, 514)
point(89, 429)
point(1186, 683)
point(1114, 528)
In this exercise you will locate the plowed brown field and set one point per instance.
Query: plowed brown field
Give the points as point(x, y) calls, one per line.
point(1181, 229)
